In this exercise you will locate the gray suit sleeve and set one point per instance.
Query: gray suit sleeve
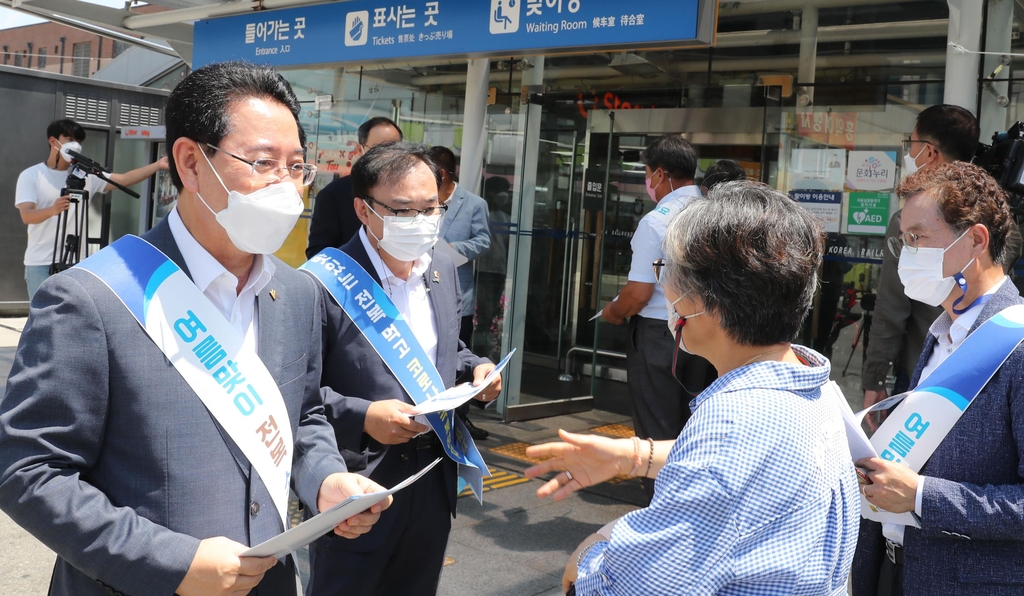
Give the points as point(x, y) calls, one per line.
point(889, 328)
point(479, 240)
point(316, 450)
point(52, 426)
point(466, 360)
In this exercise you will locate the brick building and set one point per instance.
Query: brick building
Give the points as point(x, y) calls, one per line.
point(58, 48)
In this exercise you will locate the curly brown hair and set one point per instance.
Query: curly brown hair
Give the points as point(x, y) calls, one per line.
point(965, 195)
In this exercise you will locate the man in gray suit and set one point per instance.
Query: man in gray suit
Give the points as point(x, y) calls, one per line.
point(108, 454)
point(464, 227)
point(969, 495)
point(397, 202)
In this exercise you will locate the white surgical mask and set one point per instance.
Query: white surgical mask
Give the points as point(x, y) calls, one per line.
point(674, 319)
point(921, 274)
point(259, 222)
point(910, 163)
point(70, 145)
point(407, 238)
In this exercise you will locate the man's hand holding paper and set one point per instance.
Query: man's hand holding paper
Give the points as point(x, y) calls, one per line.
point(893, 485)
point(338, 487)
point(390, 422)
point(491, 382)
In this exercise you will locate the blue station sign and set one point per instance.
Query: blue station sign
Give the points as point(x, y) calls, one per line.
point(361, 31)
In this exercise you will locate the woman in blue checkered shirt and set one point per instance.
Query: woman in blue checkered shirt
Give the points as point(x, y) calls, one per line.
point(758, 494)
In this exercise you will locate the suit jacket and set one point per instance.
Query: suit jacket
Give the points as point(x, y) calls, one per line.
point(334, 220)
point(356, 376)
point(972, 510)
point(465, 227)
point(109, 458)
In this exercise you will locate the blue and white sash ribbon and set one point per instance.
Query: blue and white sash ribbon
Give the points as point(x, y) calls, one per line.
point(384, 327)
point(925, 415)
point(230, 379)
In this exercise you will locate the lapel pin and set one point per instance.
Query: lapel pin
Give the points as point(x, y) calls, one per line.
point(273, 294)
point(437, 277)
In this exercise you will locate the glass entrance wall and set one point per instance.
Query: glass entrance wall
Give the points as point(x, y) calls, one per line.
point(560, 236)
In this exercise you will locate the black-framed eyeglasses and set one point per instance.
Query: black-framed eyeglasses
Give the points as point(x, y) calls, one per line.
point(270, 167)
point(408, 211)
point(908, 142)
point(659, 266)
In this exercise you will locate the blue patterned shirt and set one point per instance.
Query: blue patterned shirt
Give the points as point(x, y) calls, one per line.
point(758, 496)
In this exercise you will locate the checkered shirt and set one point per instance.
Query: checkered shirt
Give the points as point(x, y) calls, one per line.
point(758, 496)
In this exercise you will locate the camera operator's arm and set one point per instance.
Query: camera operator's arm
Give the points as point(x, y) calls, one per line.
point(137, 175)
point(30, 214)
point(26, 199)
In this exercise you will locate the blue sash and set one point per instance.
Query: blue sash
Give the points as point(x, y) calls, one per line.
point(925, 415)
point(384, 327)
point(210, 355)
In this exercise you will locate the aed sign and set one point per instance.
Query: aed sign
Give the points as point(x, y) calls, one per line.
point(361, 31)
point(868, 213)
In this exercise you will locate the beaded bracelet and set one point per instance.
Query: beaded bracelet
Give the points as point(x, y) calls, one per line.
point(636, 458)
point(584, 552)
point(650, 457)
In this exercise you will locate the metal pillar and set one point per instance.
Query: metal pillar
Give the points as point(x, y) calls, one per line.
point(520, 245)
point(995, 96)
point(474, 125)
point(808, 52)
point(962, 69)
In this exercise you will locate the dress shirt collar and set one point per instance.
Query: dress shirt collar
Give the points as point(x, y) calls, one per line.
point(419, 266)
point(955, 332)
point(204, 268)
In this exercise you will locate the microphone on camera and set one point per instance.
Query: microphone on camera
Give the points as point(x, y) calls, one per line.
point(85, 161)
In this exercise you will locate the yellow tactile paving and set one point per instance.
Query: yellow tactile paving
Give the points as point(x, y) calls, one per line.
point(498, 479)
point(615, 430)
point(517, 451)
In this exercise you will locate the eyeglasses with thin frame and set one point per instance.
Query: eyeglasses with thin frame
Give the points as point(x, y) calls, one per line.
point(409, 211)
point(269, 167)
point(910, 241)
point(908, 142)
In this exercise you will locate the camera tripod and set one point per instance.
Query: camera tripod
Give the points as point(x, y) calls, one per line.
point(74, 247)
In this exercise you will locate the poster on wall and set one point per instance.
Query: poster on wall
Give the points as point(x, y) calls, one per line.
point(817, 169)
point(871, 170)
point(838, 129)
point(826, 206)
point(868, 213)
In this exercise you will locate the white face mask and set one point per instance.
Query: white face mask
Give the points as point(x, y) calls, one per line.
point(259, 222)
point(407, 238)
point(910, 163)
point(674, 319)
point(70, 145)
point(921, 274)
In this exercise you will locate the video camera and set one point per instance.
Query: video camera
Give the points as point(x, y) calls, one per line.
point(71, 248)
point(1004, 160)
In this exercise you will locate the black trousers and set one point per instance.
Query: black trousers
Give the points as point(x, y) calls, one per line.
point(890, 578)
point(660, 404)
point(404, 552)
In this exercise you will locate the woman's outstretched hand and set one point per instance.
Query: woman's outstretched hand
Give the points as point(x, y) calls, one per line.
point(583, 460)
